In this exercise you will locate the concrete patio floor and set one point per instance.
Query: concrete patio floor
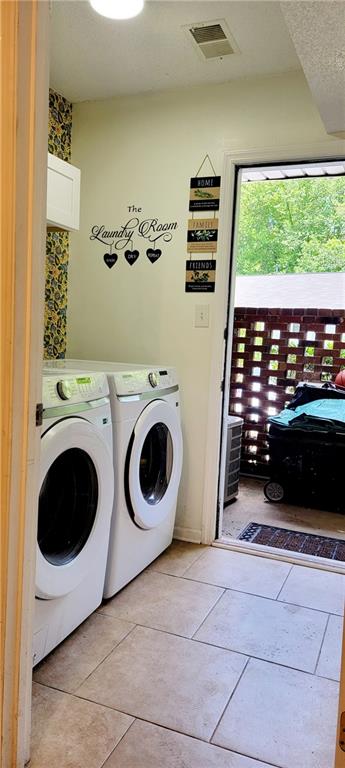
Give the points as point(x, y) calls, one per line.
point(251, 506)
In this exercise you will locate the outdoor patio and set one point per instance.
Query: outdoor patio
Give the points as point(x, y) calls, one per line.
point(251, 506)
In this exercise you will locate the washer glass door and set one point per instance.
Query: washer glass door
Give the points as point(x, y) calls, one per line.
point(67, 506)
point(155, 463)
point(75, 504)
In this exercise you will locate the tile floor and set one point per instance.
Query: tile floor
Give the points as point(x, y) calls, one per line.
point(251, 506)
point(209, 659)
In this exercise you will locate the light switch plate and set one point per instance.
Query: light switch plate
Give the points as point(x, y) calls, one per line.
point(202, 316)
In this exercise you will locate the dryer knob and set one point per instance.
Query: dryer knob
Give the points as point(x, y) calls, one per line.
point(64, 390)
point(153, 379)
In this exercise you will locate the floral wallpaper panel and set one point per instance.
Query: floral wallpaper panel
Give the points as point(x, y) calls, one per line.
point(57, 247)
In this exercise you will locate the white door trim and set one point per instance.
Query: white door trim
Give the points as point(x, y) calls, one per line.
point(232, 159)
point(272, 553)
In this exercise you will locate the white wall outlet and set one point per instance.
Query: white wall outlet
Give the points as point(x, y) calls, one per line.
point(202, 316)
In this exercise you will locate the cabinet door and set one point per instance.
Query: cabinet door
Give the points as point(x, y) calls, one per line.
point(63, 194)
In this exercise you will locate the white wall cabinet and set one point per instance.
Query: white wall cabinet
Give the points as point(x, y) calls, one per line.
point(63, 194)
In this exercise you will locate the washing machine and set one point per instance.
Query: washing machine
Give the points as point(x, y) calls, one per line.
point(147, 444)
point(75, 504)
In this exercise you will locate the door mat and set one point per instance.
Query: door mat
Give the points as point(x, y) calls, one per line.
point(295, 541)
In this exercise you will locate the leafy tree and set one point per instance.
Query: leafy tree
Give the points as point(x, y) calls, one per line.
point(322, 257)
point(292, 226)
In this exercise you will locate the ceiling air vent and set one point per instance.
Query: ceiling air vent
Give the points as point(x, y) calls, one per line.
point(212, 39)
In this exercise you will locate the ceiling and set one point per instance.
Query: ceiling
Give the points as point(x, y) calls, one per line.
point(96, 58)
point(318, 32)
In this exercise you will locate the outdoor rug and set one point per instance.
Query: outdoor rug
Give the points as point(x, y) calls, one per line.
point(295, 541)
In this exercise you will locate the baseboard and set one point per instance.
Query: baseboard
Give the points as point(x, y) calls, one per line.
point(187, 534)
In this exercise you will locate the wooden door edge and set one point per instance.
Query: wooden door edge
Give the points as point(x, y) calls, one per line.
point(24, 84)
point(339, 749)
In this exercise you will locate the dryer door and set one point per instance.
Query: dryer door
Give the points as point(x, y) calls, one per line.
point(155, 463)
point(75, 501)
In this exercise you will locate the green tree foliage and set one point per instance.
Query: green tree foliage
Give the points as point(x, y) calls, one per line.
point(297, 225)
point(319, 256)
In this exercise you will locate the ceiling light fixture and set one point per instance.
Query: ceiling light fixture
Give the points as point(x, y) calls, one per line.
point(118, 9)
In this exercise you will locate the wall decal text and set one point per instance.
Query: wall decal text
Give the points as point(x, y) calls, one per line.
point(148, 229)
point(153, 254)
point(110, 259)
point(131, 256)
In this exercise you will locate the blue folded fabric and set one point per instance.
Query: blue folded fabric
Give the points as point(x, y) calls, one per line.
point(317, 414)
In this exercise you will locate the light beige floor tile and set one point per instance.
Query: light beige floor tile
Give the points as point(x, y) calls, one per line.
point(71, 663)
point(148, 746)
point(177, 558)
point(246, 573)
point(330, 657)
point(167, 680)
point(274, 631)
point(321, 590)
point(71, 733)
point(164, 602)
point(281, 716)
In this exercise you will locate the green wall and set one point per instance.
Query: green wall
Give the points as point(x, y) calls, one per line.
point(57, 246)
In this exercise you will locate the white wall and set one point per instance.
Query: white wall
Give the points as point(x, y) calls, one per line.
point(323, 290)
point(143, 150)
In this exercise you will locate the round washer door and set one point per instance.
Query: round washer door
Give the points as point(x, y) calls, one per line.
point(155, 464)
point(77, 488)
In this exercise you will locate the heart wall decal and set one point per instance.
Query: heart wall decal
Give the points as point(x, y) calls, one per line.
point(131, 256)
point(110, 259)
point(153, 255)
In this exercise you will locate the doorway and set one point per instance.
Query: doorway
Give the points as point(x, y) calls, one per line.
point(270, 350)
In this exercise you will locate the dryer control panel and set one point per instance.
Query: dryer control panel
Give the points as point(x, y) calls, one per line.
point(141, 381)
point(70, 389)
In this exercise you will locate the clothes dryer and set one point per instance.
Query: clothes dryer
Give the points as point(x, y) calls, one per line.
point(75, 505)
point(147, 455)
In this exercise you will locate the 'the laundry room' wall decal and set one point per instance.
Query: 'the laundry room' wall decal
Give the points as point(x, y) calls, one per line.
point(128, 237)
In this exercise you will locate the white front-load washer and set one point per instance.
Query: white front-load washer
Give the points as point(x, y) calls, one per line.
point(75, 504)
point(147, 443)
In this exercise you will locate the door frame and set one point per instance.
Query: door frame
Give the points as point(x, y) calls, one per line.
point(234, 159)
point(24, 66)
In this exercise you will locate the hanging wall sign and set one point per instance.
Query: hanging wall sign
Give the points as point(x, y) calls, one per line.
point(128, 237)
point(202, 235)
point(204, 193)
point(200, 276)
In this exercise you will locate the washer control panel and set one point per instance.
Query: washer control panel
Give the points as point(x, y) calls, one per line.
point(153, 379)
point(141, 381)
point(73, 388)
point(65, 389)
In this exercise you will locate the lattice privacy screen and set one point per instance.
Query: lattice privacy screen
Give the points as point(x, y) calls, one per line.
point(273, 350)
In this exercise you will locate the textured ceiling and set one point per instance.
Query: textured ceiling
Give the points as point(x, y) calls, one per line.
point(318, 33)
point(96, 58)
